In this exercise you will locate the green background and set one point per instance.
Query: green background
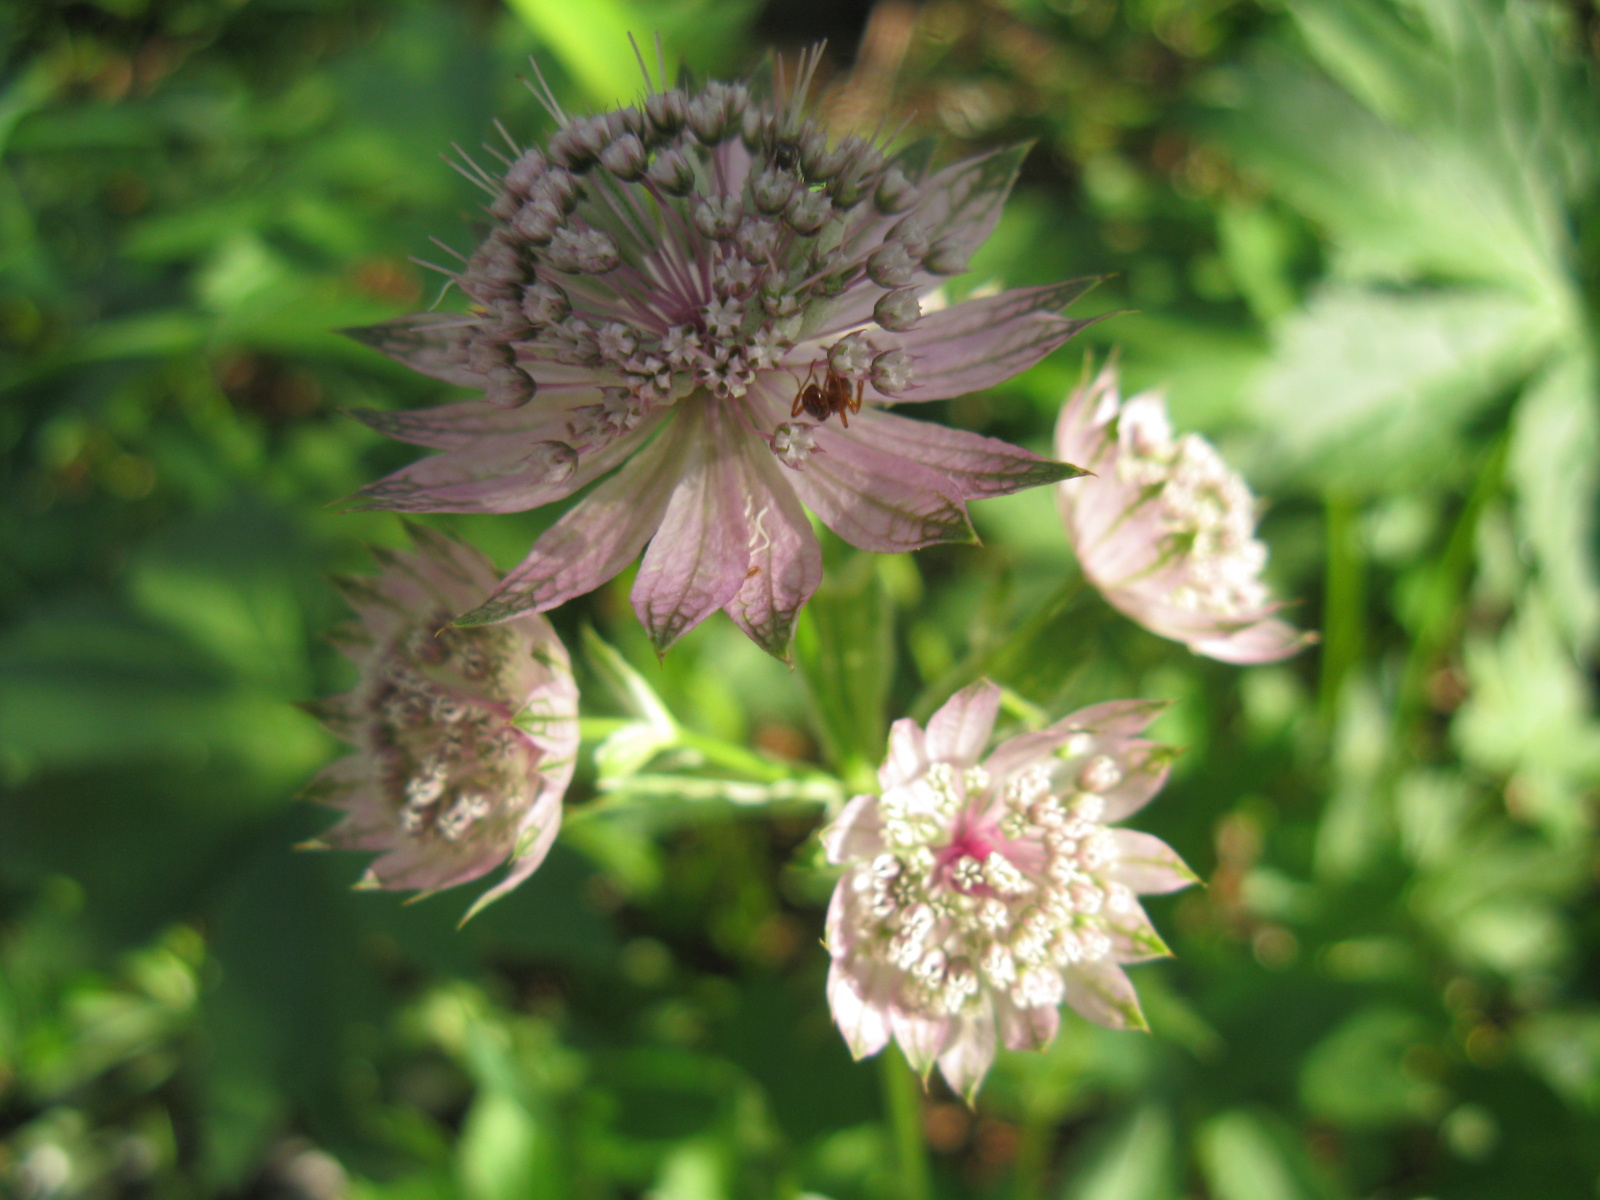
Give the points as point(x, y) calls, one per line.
point(1357, 239)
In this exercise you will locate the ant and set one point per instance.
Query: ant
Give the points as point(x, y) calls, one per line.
point(786, 154)
point(832, 395)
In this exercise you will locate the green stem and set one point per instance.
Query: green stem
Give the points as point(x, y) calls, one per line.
point(714, 750)
point(1344, 603)
point(902, 1093)
point(1442, 613)
point(985, 660)
point(1032, 1157)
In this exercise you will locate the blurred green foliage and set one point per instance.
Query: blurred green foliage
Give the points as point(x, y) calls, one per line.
point(1361, 240)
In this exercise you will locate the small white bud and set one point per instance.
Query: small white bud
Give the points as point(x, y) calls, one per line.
point(895, 192)
point(1099, 774)
point(892, 372)
point(945, 257)
point(771, 189)
point(545, 304)
point(717, 216)
point(508, 386)
point(672, 172)
point(851, 356)
point(808, 211)
point(898, 310)
point(525, 172)
point(891, 266)
point(666, 111)
point(552, 462)
point(625, 158)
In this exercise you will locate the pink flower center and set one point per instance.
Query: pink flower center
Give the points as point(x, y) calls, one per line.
point(971, 841)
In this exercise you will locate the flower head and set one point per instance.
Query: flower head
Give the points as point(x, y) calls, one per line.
point(1167, 530)
point(707, 296)
point(464, 738)
point(980, 893)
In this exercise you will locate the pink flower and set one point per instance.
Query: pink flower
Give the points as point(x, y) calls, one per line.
point(979, 895)
point(464, 738)
point(1166, 531)
point(704, 296)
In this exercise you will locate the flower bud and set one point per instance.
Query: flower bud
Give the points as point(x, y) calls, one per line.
point(895, 192)
point(892, 372)
point(771, 189)
point(588, 251)
point(672, 173)
point(537, 221)
point(508, 386)
point(808, 211)
point(625, 158)
point(890, 266)
point(717, 216)
point(545, 304)
point(709, 114)
point(578, 144)
point(898, 310)
point(526, 171)
point(666, 112)
point(851, 356)
point(946, 257)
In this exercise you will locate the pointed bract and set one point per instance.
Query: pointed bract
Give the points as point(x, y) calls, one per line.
point(979, 894)
point(1166, 530)
point(465, 739)
point(709, 260)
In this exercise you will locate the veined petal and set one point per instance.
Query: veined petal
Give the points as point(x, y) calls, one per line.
point(979, 343)
point(1101, 992)
point(450, 426)
point(960, 730)
point(865, 1025)
point(856, 833)
point(962, 202)
point(1026, 1028)
point(536, 836)
point(1115, 718)
point(922, 1038)
point(907, 757)
point(697, 560)
point(971, 1052)
point(1265, 641)
point(978, 466)
point(1148, 865)
point(593, 540)
point(1145, 766)
point(877, 500)
point(785, 564)
point(1133, 938)
point(511, 477)
point(425, 343)
point(958, 207)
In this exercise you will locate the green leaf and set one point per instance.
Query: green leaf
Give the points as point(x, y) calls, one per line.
point(844, 648)
point(1357, 1074)
point(1136, 1162)
point(1368, 390)
point(1530, 713)
point(1554, 465)
point(1243, 1158)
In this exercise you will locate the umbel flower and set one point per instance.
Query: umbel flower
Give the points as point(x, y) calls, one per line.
point(1166, 531)
point(706, 299)
point(982, 892)
point(464, 738)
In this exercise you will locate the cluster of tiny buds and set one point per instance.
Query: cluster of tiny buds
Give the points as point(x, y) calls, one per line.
point(449, 757)
point(1208, 514)
point(990, 887)
point(639, 245)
